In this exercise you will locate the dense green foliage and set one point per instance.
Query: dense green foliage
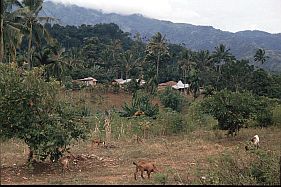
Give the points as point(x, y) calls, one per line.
point(232, 109)
point(172, 99)
point(140, 103)
point(31, 111)
point(243, 44)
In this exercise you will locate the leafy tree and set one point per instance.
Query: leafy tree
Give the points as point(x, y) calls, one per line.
point(276, 86)
point(231, 109)
point(236, 75)
point(115, 48)
point(194, 82)
point(90, 51)
point(260, 84)
point(32, 112)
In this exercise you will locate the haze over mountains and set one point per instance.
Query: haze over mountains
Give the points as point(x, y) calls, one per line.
point(242, 44)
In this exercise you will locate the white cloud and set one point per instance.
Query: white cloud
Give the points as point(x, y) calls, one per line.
point(229, 15)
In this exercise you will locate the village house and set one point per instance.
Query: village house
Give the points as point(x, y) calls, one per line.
point(89, 81)
point(180, 86)
point(163, 85)
point(122, 81)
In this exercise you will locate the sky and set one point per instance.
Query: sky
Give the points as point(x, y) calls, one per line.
point(227, 15)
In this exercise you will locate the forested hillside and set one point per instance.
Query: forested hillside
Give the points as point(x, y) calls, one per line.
point(242, 44)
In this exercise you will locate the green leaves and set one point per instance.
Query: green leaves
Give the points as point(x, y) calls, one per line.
point(172, 99)
point(232, 109)
point(31, 110)
point(140, 102)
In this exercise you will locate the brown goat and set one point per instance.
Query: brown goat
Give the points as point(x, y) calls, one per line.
point(65, 161)
point(144, 166)
point(139, 113)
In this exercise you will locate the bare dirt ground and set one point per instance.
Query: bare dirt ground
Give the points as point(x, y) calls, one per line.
point(183, 159)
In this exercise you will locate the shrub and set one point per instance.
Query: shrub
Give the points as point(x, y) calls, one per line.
point(116, 88)
point(160, 178)
point(68, 85)
point(140, 102)
point(169, 122)
point(172, 99)
point(261, 167)
point(132, 86)
point(196, 118)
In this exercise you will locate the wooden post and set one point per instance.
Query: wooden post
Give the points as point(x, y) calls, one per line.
point(107, 127)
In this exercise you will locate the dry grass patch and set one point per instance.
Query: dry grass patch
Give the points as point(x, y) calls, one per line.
point(181, 159)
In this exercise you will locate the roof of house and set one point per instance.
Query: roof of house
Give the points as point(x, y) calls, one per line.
point(121, 81)
point(180, 85)
point(88, 79)
point(169, 83)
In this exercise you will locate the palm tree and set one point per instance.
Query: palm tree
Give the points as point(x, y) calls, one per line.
point(32, 21)
point(157, 51)
point(220, 56)
point(260, 56)
point(202, 59)
point(105, 60)
point(128, 62)
point(186, 63)
point(58, 63)
point(115, 47)
point(10, 28)
point(74, 58)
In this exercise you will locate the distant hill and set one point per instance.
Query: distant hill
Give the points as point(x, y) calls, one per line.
point(242, 44)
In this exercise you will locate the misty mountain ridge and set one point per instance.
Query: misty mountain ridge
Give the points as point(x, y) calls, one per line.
point(242, 44)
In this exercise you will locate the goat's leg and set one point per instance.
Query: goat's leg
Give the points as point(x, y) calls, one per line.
point(142, 174)
point(148, 174)
point(135, 174)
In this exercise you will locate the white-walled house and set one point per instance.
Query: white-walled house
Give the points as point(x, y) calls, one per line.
point(89, 81)
point(180, 85)
point(122, 81)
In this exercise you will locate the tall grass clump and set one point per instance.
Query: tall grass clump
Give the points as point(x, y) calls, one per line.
point(276, 115)
point(196, 118)
point(257, 167)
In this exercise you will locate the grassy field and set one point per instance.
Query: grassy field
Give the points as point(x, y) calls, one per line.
point(190, 158)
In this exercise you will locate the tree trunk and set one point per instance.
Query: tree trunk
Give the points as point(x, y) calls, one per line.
point(29, 46)
point(1, 33)
point(157, 66)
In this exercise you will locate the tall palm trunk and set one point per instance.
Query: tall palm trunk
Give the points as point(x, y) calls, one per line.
point(29, 46)
point(1, 32)
point(157, 67)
